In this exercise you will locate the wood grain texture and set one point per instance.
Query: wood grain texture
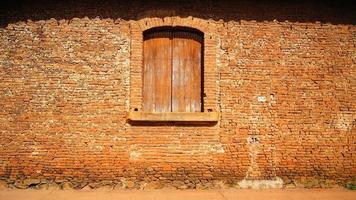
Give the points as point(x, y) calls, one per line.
point(186, 73)
point(172, 72)
point(157, 72)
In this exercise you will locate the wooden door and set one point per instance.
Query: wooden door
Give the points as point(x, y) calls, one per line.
point(157, 72)
point(172, 72)
point(186, 72)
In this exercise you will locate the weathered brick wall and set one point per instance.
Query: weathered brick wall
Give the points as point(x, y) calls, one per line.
point(305, 127)
point(284, 90)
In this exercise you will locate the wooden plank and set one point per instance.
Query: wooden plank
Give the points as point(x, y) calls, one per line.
point(157, 72)
point(186, 72)
point(174, 116)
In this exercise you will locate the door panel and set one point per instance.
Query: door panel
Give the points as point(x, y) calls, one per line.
point(172, 72)
point(157, 72)
point(186, 72)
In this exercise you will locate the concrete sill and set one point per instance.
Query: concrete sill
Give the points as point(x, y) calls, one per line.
point(174, 116)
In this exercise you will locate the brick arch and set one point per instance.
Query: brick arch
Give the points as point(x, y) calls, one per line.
point(190, 22)
point(140, 26)
point(180, 28)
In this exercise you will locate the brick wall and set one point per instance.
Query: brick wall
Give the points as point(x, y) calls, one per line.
point(282, 77)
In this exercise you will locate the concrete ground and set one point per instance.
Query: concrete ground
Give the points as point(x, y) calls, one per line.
point(224, 194)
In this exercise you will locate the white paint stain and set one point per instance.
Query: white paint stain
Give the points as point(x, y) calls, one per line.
point(261, 99)
point(134, 152)
point(261, 184)
point(254, 148)
point(134, 155)
point(345, 121)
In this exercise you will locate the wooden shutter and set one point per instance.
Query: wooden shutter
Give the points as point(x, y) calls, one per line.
point(172, 72)
point(186, 73)
point(157, 72)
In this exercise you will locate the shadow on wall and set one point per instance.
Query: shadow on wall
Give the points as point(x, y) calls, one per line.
point(325, 11)
point(170, 124)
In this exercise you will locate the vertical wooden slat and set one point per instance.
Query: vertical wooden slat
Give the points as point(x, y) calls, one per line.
point(186, 72)
point(157, 72)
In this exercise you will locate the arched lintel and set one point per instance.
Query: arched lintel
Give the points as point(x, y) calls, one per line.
point(173, 21)
point(177, 28)
point(194, 33)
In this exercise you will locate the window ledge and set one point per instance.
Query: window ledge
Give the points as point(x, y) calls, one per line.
point(174, 116)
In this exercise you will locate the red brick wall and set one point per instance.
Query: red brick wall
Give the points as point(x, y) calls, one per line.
point(284, 90)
